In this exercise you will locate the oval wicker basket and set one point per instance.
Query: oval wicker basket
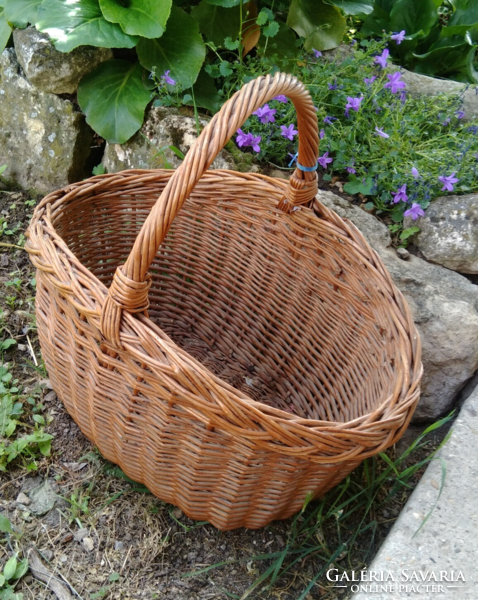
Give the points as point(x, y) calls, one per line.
point(274, 352)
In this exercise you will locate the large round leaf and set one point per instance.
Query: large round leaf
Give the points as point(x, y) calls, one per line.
point(21, 12)
point(113, 98)
point(322, 25)
point(179, 50)
point(353, 7)
point(142, 17)
point(5, 31)
point(464, 18)
point(413, 16)
point(72, 23)
point(217, 23)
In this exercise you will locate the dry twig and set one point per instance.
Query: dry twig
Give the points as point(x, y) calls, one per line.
point(39, 571)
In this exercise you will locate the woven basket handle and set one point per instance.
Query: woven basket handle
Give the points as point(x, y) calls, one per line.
point(129, 289)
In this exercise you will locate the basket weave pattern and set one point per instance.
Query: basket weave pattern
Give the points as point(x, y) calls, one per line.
point(228, 351)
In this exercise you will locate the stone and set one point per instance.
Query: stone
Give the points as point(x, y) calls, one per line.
point(119, 545)
point(149, 148)
point(50, 70)
point(403, 253)
point(44, 141)
point(43, 498)
point(446, 542)
point(23, 499)
point(422, 85)
point(80, 534)
point(88, 544)
point(449, 233)
point(49, 397)
point(444, 306)
point(48, 554)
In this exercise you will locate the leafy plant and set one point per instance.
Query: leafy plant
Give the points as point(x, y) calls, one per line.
point(13, 570)
point(441, 37)
point(400, 152)
point(27, 446)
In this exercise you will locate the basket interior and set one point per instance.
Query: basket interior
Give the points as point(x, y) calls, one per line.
point(275, 305)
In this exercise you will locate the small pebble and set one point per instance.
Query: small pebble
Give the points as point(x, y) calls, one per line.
point(63, 558)
point(88, 544)
point(49, 397)
point(23, 499)
point(403, 253)
point(178, 513)
point(80, 534)
point(119, 545)
point(21, 347)
point(48, 554)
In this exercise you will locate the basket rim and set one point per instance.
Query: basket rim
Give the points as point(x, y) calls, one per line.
point(366, 427)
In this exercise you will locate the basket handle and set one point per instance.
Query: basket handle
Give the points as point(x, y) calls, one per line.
point(129, 289)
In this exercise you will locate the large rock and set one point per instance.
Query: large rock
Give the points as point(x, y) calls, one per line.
point(449, 233)
point(50, 70)
point(44, 141)
point(150, 147)
point(444, 305)
point(422, 85)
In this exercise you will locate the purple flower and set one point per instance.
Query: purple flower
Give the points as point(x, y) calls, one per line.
point(369, 80)
point(382, 59)
point(403, 97)
point(324, 160)
point(328, 120)
point(281, 98)
point(255, 143)
point(448, 182)
point(460, 114)
point(395, 84)
point(333, 86)
point(316, 53)
point(351, 170)
point(169, 80)
point(243, 139)
point(446, 122)
point(400, 194)
point(265, 114)
point(321, 134)
point(415, 173)
point(379, 131)
point(398, 37)
point(352, 103)
point(415, 211)
point(288, 132)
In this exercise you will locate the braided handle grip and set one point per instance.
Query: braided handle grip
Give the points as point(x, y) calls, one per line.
point(129, 290)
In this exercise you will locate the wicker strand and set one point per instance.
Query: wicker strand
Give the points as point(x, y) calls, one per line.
point(302, 187)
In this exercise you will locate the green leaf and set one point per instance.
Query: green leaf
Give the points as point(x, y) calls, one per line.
point(138, 17)
point(10, 568)
point(6, 404)
point(5, 31)
point(3, 167)
point(443, 60)
point(224, 68)
point(205, 92)
point(73, 23)
point(217, 23)
point(20, 13)
point(465, 17)
point(21, 569)
point(406, 233)
point(226, 3)
point(282, 44)
point(2, 581)
point(39, 419)
point(262, 18)
point(413, 16)
point(5, 525)
point(113, 577)
point(230, 44)
point(180, 49)
point(353, 7)
point(7, 344)
point(271, 30)
point(357, 187)
point(322, 25)
point(113, 98)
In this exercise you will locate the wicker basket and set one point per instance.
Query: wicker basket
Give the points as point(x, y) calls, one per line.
point(274, 352)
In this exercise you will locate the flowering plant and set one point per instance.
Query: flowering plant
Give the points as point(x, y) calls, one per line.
point(398, 151)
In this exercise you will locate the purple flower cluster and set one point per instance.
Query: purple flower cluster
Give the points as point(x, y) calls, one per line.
point(167, 79)
point(394, 82)
point(352, 103)
point(288, 131)
point(265, 114)
point(248, 139)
